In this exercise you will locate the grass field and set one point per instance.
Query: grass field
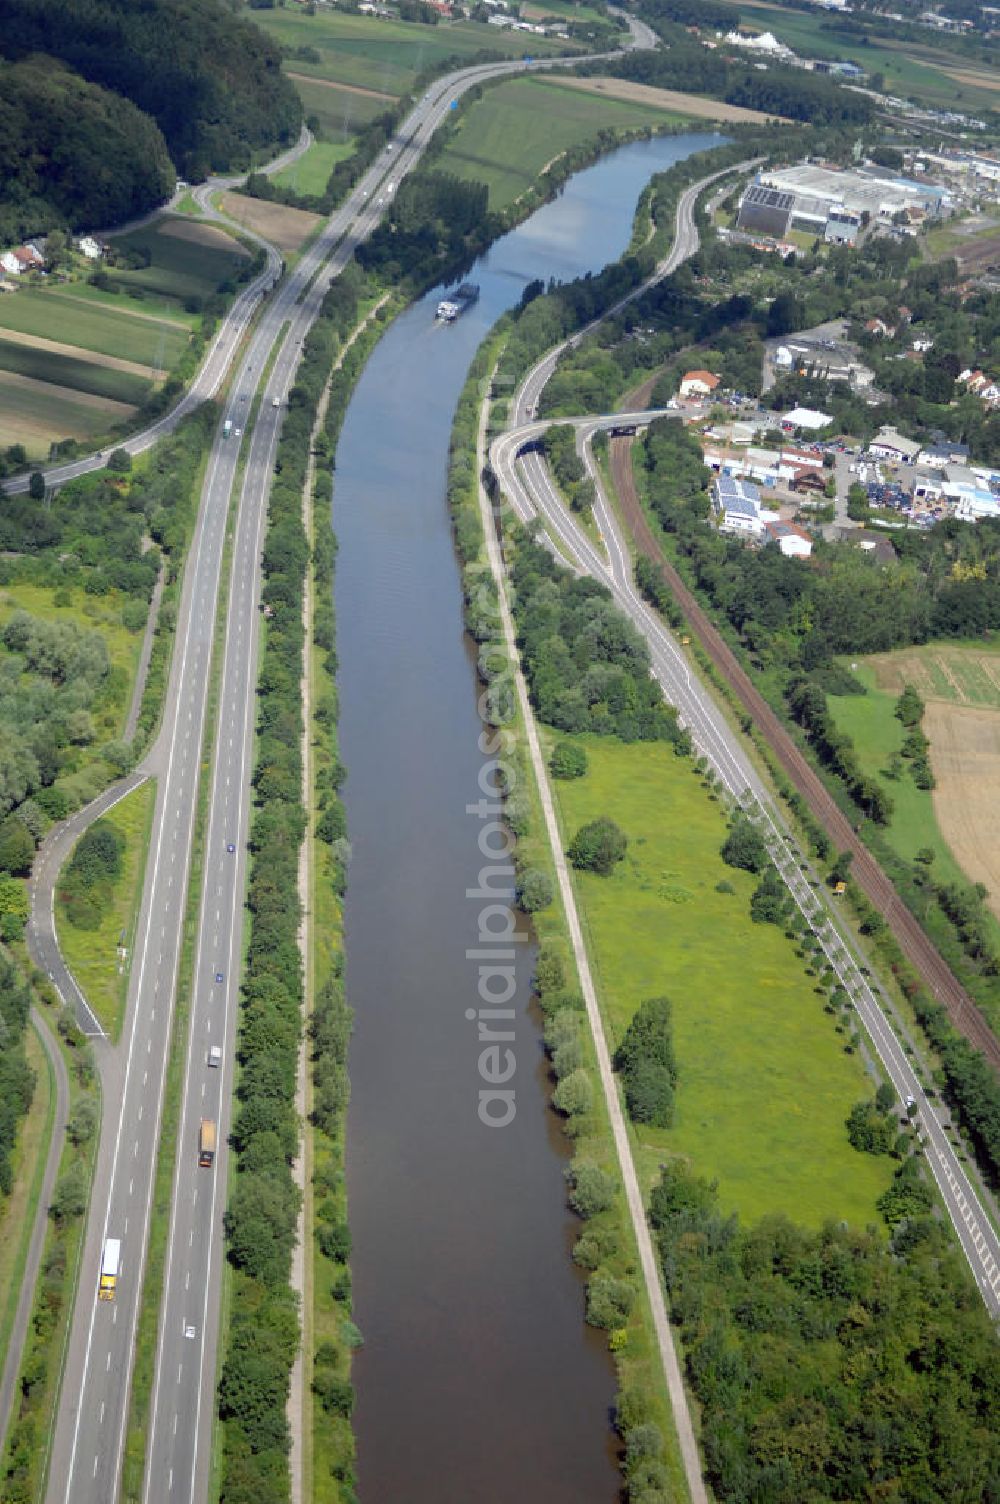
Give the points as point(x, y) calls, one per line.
point(103, 613)
point(387, 55)
point(341, 112)
point(288, 229)
point(509, 135)
point(909, 69)
point(312, 170)
point(765, 1084)
point(94, 956)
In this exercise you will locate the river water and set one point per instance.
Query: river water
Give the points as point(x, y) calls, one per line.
point(478, 1382)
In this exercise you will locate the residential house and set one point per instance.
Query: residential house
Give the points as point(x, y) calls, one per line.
point(698, 384)
point(89, 247)
point(793, 541)
point(879, 328)
point(10, 264)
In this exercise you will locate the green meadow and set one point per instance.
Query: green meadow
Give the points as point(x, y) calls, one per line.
point(341, 112)
point(765, 1081)
point(517, 128)
point(312, 170)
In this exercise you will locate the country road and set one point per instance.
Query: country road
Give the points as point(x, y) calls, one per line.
point(89, 1442)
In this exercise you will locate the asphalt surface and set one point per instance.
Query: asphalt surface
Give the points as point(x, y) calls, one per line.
point(527, 484)
point(89, 1437)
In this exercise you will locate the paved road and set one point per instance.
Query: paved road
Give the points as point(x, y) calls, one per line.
point(90, 1430)
point(15, 1347)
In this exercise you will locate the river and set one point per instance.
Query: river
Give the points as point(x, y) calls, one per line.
point(478, 1382)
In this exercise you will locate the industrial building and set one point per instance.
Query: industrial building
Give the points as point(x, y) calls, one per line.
point(828, 202)
point(737, 503)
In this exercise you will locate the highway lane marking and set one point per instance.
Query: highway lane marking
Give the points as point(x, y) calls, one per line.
point(107, 1366)
point(145, 1077)
point(130, 1185)
point(102, 1412)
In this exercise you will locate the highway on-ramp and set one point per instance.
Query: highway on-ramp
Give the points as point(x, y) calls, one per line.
point(89, 1441)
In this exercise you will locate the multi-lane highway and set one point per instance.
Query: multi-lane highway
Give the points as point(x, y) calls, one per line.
point(87, 1451)
point(528, 487)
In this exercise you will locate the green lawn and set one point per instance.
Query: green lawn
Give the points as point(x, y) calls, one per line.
point(387, 55)
point(518, 127)
point(340, 112)
point(312, 170)
point(765, 1084)
point(908, 68)
point(65, 370)
point(94, 956)
point(109, 331)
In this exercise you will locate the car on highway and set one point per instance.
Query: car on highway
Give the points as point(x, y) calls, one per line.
point(275, 401)
point(215, 1055)
point(220, 976)
point(230, 847)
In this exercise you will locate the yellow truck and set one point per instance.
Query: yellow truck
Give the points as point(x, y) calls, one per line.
point(206, 1143)
point(110, 1262)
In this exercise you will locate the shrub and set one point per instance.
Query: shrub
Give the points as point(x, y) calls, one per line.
point(534, 890)
point(609, 1301)
point(568, 760)
point(573, 1097)
point(591, 1189)
point(598, 846)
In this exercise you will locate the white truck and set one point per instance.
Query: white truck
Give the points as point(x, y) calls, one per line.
point(227, 428)
point(110, 1263)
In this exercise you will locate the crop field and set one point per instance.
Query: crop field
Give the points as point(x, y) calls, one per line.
point(340, 110)
point(966, 675)
point(187, 260)
point(33, 413)
point(671, 100)
point(765, 1083)
point(517, 128)
point(288, 229)
point(387, 55)
point(960, 819)
point(916, 72)
point(61, 369)
point(312, 170)
point(91, 326)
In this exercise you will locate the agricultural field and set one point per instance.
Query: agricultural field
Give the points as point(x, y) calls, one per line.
point(339, 109)
point(671, 100)
point(929, 75)
point(288, 229)
point(959, 820)
point(765, 1083)
point(521, 126)
point(77, 360)
point(384, 55)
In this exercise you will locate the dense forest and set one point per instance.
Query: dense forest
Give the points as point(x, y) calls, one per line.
point(72, 153)
point(586, 664)
point(826, 1365)
point(106, 92)
point(17, 1082)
